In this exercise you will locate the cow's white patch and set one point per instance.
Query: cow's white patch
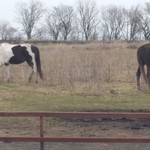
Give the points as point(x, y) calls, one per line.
point(5, 53)
point(28, 46)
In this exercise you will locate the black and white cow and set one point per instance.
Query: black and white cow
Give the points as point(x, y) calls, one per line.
point(19, 53)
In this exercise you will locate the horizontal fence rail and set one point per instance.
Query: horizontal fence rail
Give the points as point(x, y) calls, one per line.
point(77, 115)
point(80, 115)
point(76, 139)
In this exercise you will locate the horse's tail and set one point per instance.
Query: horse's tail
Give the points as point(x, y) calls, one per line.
point(37, 60)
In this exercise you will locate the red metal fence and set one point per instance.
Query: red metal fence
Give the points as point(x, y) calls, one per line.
point(79, 115)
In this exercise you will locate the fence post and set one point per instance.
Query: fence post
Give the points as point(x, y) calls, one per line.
point(41, 132)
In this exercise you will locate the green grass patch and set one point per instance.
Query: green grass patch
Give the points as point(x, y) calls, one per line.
point(45, 98)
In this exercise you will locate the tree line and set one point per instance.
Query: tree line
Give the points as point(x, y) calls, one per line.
point(83, 22)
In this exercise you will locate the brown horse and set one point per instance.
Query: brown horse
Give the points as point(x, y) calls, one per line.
point(143, 58)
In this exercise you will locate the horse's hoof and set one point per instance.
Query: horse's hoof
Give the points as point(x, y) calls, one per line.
point(138, 88)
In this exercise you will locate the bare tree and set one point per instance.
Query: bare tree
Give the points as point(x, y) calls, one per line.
point(67, 17)
point(3, 30)
point(60, 20)
point(75, 34)
point(40, 33)
point(145, 21)
point(11, 33)
point(53, 23)
point(112, 22)
point(87, 17)
point(28, 15)
point(7, 32)
point(132, 28)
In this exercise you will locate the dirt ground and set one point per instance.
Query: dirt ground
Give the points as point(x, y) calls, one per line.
point(73, 146)
point(88, 128)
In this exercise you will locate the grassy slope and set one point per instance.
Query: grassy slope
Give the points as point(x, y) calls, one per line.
point(15, 97)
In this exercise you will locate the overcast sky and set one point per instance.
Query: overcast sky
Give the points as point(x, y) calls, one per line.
point(7, 6)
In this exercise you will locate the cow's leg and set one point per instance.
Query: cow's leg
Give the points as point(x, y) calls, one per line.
point(138, 74)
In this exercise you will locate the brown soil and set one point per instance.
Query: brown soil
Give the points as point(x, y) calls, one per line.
point(86, 128)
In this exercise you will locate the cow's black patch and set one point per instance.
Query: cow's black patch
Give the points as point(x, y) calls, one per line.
point(18, 55)
point(27, 56)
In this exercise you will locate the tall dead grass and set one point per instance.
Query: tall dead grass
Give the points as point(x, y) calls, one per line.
point(82, 68)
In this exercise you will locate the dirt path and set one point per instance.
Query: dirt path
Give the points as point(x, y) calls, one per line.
point(73, 146)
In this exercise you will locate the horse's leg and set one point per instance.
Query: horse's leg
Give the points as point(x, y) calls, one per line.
point(31, 64)
point(36, 78)
point(138, 74)
point(148, 76)
point(143, 73)
point(30, 76)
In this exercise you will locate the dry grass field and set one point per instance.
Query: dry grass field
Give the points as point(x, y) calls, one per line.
point(88, 68)
point(83, 68)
